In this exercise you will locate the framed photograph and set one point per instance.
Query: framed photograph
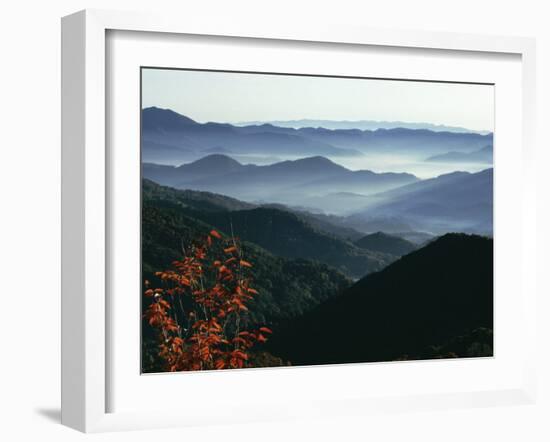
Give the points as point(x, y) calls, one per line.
point(278, 222)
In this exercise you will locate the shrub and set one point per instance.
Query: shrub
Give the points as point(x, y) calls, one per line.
point(199, 315)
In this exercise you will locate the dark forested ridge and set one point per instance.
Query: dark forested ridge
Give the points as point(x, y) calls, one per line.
point(286, 234)
point(282, 232)
point(288, 287)
point(435, 301)
point(384, 243)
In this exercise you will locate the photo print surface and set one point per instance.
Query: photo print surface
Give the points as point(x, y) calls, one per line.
point(292, 220)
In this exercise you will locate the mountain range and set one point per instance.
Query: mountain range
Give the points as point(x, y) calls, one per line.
point(277, 230)
point(171, 138)
point(288, 287)
point(484, 156)
point(314, 176)
point(359, 124)
point(433, 300)
point(384, 243)
point(459, 201)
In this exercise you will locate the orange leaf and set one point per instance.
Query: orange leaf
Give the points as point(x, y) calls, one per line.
point(245, 263)
point(265, 330)
point(240, 354)
point(215, 234)
point(230, 249)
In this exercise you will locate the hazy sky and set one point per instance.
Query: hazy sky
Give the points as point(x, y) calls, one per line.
point(237, 97)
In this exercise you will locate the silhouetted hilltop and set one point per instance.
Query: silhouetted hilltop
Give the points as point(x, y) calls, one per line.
point(382, 242)
point(426, 298)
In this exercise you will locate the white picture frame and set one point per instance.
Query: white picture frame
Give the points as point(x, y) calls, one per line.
point(85, 210)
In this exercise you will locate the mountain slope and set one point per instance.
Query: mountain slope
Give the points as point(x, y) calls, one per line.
point(163, 127)
point(287, 287)
point(384, 243)
point(205, 201)
point(278, 231)
point(288, 235)
point(316, 177)
point(459, 201)
point(212, 202)
point(400, 140)
point(424, 299)
point(484, 156)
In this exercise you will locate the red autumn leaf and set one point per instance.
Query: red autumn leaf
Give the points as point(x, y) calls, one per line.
point(201, 329)
point(240, 354)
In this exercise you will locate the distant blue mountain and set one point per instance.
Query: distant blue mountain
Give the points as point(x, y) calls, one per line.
point(164, 120)
point(483, 156)
point(165, 127)
point(458, 201)
point(183, 139)
point(295, 182)
point(359, 124)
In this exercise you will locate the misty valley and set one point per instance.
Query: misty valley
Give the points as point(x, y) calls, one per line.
point(278, 243)
point(312, 178)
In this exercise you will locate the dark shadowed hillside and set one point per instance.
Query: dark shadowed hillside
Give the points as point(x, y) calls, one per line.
point(426, 299)
point(279, 231)
point(287, 287)
point(207, 201)
point(384, 243)
point(289, 235)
